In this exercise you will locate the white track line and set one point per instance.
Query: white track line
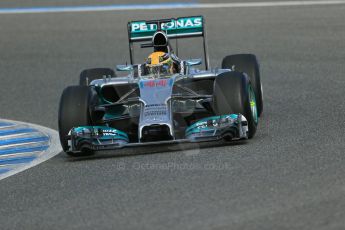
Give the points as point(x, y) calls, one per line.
point(30, 134)
point(34, 153)
point(162, 6)
point(54, 148)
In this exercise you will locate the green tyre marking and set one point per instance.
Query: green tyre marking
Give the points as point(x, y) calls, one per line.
point(253, 106)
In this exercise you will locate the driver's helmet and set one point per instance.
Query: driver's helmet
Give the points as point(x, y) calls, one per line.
point(160, 63)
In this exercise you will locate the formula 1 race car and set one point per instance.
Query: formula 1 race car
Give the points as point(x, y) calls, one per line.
point(164, 100)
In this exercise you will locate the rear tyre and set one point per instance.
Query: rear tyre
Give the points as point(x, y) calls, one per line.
point(248, 64)
point(74, 111)
point(88, 75)
point(233, 94)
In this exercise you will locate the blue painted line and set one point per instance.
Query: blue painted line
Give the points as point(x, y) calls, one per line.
point(16, 131)
point(5, 124)
point(172, 5)
point(23, 149)
point(23, 140)
point(4, 170)
point(24, 145)
point(17, 160)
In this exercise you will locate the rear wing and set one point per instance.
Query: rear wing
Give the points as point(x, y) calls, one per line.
point(175, 28)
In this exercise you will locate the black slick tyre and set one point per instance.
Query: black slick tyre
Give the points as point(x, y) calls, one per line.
point(248, 64)
point(73, 111)
point(233, 94)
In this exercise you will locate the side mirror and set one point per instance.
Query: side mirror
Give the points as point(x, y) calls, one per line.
point(192, 62)
point(124, 67)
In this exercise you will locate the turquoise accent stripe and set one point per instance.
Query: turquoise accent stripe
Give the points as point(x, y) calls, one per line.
point(195, 127)
point(16, 131)
point(17, 160)
point(199, 130)
point(116, 134)
point(23, 140)
point(23, 150)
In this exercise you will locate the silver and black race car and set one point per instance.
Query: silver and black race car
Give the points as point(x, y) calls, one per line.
point(164, 100)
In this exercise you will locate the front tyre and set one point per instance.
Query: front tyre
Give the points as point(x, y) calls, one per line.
point(73, 112)
point(234, 94)
point(248, 64)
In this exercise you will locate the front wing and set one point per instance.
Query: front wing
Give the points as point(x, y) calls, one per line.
point(229, 127)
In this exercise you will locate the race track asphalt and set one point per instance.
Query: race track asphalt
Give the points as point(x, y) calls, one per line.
point(290, 176)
